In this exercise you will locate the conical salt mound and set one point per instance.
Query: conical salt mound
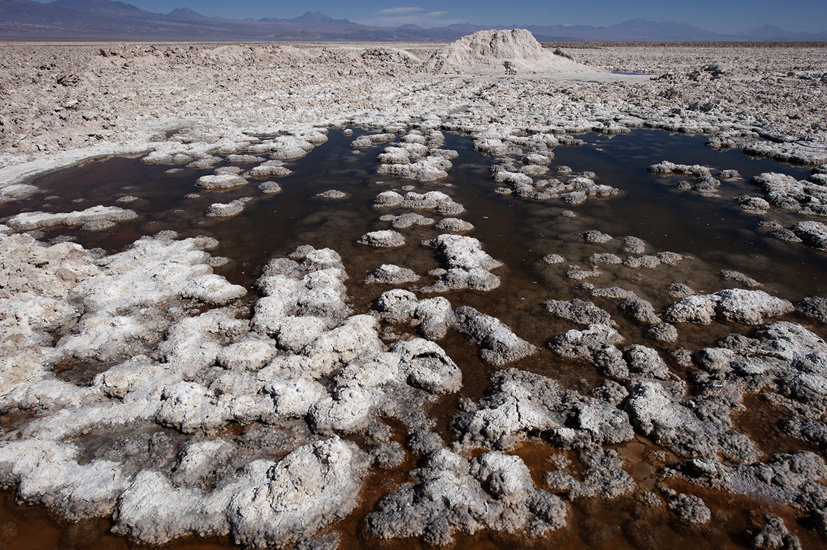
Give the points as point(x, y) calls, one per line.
point(501, 52)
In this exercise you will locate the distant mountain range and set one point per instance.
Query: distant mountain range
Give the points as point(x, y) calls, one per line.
point(109, 20)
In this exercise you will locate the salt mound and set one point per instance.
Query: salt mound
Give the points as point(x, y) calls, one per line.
point(500, 52)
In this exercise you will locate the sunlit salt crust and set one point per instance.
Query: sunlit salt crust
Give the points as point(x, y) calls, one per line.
point(187, 352)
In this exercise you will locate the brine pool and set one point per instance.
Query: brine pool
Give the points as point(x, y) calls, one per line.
point(713, 231)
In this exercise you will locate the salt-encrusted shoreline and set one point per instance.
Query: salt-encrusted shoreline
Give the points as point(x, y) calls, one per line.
point(123, 98)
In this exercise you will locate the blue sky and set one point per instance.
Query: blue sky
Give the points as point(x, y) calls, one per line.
point(715, 15)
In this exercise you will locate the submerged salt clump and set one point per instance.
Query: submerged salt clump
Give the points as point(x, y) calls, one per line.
point(593, 236)
point(269, 169)
point(405, 221)
point(738, 305)
point(220, 182)
point(579, 311)
point(656, 412)
point(382, 239)
point(814, 307)
point(574, 190)
point(388, 199)
point(774, 535)
point(498, 344)
point(432, 200)
point(96, 217)
point(789, 479)
point(452, 494)
point(787, 193)
point(454, 224)
point(705, 183)
point(227, 210)
point(369, 140)
point(690, 508)
point(16, 192)
point(308, 489)
point(604, 477)
point(288, 147)
point(786, 355)
point(467, 264)
point(812, 233)
point(269, 187)
point(595, 343)
point(333, 194)
point(432, 316)
point(520, 403)
point(392, 274)
point(424, 170)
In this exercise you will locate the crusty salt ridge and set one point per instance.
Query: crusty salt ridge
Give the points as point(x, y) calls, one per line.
point(509, 52)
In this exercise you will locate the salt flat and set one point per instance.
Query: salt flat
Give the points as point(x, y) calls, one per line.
point(60, 98)
point(439, 332)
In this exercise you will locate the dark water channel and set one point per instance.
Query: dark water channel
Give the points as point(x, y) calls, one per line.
point(519, 232)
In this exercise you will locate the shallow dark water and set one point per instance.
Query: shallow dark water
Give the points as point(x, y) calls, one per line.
point(515, 231)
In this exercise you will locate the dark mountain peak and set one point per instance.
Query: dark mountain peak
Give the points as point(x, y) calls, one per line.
point(318, 18)
point(633, 22)
point(766, 32)
point(185, 13)
point(97, 5)
point(767, 27)
point(643, 29)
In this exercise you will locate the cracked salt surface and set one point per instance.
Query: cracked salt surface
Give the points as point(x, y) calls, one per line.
point(261, 391)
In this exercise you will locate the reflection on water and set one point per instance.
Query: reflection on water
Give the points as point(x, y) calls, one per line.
point(712, 230)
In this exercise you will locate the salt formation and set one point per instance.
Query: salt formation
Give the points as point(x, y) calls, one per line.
point(94, 218)
point(742, 306)
point(705, 183)
point(417, 158)
point(392, 274)
point(270, 169)
point(498, 344)
point(790, 479)
point(787, 193)
point(227, 210)
point(432, 316)
point(513, 51)
point(579, 311)
point(196, 373)
point(468, 266)
point(383, 239)
point(519, 403)
point(604, 477)
point(220, 182)
point(453, 494)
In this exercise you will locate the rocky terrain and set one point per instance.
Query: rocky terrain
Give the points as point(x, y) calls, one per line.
point(408, 383)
